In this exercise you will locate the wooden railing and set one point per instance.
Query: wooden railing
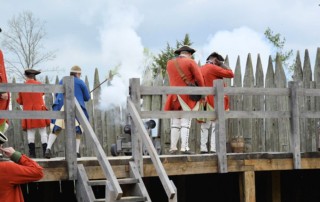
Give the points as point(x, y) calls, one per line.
point(68, 114)
point(72, 109)
point(293, 92)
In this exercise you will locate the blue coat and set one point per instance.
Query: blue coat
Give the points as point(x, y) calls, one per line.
point(82, 94)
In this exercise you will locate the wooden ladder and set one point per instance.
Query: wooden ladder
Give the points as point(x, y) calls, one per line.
point(133, 187)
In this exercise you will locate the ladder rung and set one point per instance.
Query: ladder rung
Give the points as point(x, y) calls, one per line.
point(126, 199)
point(128, 181)
point(121, 181)
point(96, 182)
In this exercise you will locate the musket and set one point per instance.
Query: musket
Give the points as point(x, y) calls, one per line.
point(107, 79)
point(99, 85)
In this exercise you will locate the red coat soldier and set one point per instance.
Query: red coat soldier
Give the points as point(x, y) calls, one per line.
point(190, 70)
point(34, 102)
point(212, 70)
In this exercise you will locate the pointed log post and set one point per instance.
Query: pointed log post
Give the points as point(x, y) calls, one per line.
point(247, 126)
point(271, 141)
point(258, 136)
point(70, 137)
point(283, 105)
point(317, 101)
point(236, 101)
point(307, 125)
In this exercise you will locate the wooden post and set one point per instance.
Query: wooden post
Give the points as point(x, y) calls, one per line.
point(295, 129)
point(247, 186)
point(276, 186)
point(70, 133)
point(220, 125)
point(134, 90)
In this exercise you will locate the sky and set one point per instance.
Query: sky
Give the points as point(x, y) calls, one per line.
point(107, 33)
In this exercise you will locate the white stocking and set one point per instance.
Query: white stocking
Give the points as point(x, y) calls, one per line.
point(175, 133)
point(43, 135)
point(31, 135)
point(77, 145)
point(52, 138)
point(185, 127)
point(213, 138)
point(204, 136)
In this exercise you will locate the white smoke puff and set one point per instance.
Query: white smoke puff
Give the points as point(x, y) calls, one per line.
point(114, 95)
point(238, 42)
point(122, 48)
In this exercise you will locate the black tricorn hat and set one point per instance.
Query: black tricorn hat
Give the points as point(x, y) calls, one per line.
point(184, 48)
point(216, 55)
point(31, 72)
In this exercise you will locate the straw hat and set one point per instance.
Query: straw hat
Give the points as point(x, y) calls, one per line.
point(75, 69)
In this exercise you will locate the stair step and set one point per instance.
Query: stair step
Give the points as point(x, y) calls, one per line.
point(127, 199)
point(121, 181)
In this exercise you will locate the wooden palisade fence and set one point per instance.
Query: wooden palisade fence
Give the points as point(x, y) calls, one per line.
point(272, 117)
point(260, 134)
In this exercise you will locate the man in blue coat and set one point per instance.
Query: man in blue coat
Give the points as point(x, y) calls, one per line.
point(82, 94)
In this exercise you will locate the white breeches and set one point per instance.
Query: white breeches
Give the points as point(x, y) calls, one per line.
point(180, 128)
point(204, 136)
point(43, 134)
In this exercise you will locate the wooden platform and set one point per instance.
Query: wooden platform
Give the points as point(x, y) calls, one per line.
point(56, 168)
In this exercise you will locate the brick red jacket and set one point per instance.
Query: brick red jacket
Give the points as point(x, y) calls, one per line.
point(212, 72)
point(12, 174)
point(192, 73)
point(33, 102)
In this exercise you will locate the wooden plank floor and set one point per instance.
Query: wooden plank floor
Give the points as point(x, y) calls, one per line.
point(55, 169)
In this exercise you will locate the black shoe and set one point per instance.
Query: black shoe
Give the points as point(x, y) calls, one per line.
point(203, 152)
point(32, 156)
point(187, 152)
point(212, 152)
point(78, 155)
point(32, 150)
point(173, 152)
point(44, 148)
point(48, 154)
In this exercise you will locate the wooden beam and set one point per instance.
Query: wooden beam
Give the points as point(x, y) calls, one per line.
point(220, 129)
point(101, 156)
point(135, 97)
point(276, 186)
point(70, 131)
point(248, 186)
point(84, 191)
point(295, 124)
point(56, 168)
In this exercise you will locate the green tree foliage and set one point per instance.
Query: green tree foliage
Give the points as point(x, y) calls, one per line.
point(160, 61)
point(278, 42)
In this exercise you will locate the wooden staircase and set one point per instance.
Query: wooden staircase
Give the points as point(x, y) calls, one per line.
point(133, 187)
point(128, 189)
